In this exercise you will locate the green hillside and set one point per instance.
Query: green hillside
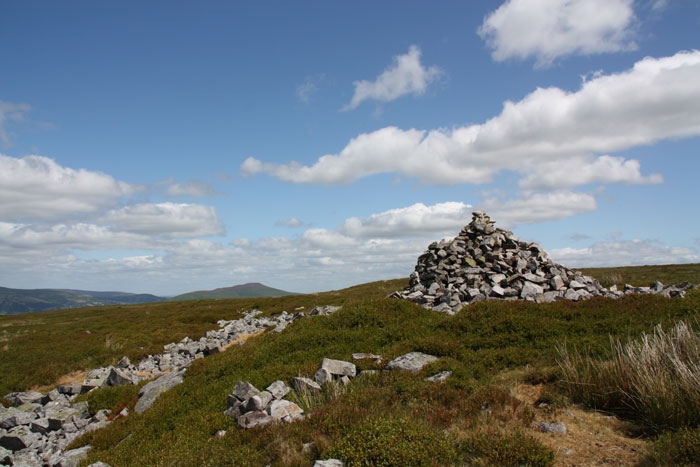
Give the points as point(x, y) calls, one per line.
point(15, 301)
point(503, 358)
point(250, 290)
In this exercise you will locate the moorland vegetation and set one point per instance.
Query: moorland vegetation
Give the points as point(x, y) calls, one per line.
point(507, 362)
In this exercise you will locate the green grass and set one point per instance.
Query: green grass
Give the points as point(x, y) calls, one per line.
point(646, 275)
point(678, 449)
point(87, 338)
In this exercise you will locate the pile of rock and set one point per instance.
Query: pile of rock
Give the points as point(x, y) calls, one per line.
point(484, 262)
point(37, 427)
point(253, 408)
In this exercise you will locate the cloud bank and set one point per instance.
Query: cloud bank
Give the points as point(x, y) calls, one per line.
point(657, 99)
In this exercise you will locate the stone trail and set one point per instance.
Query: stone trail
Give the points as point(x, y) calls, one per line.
point(38, 427)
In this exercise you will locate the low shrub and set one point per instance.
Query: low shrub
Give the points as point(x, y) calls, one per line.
point(390, 442)
point(679, 448)
point(654, 380)
point(113, 398)
point(504, 449)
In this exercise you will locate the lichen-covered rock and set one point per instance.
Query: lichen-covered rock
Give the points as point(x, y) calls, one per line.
point(278, 389)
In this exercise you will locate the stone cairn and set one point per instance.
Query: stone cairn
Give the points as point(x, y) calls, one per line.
point(485, 263)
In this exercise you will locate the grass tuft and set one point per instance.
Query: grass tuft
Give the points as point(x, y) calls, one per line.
point(514, 448)
point(654, 380)
point(679, 448)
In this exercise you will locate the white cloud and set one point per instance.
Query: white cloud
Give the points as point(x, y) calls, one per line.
point(405, 76)
point(550, 29)
point(624, 253)
point(583, 170)
point(36, 187)
point(538, 207)
point(11, 112)
point(324, 238)
point(655, 100)
point(81, 236)
point(167, 219)
point(193, 188)
point(417, 220)
point(292, 223)
point(309, 87)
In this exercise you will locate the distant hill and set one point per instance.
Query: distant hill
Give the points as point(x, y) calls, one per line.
point(251, 290)
point(15, 301)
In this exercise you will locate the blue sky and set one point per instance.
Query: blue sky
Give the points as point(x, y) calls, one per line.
point(162, 147)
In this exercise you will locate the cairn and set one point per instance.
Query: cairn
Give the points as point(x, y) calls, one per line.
point(485, 263)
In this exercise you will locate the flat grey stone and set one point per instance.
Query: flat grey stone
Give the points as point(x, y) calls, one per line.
point(322, 376)
point(243, 390)
point(412, 361)
point(339, 367)
point(278, 389)
point(550, 427)
point(150, 392)
point(302, 385)
point(254, 419)
point(284, 410)
point(21, 398)
point(329, 463)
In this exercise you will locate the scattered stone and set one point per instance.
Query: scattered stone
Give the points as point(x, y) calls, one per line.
point(367, 356)
point(550, 427)
point(439, 377)
point(220, 433)
point(412, 361)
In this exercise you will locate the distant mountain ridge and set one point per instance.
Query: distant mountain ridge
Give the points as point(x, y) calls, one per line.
point(250, 290)
point(15, 301)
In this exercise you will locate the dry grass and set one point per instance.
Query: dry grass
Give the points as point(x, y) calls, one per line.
point(74, 377)
point(654, 380)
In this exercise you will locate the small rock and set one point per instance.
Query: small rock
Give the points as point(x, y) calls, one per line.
point(303, 385)
point(439, 377)
point(254, 419)
point(284, 410)
point(329, 463)
point(339, 367)
point(550, 427)
point(412, 361)
point(244, 390)
point(278, 389)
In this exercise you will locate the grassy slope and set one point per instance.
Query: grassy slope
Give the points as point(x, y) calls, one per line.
point(475, 344)
point(646, 275)
point(179, 429)
point(38, 348)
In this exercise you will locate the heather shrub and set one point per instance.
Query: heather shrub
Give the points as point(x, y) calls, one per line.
point(505, 449)
point(679, 448)
point(390, 442)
